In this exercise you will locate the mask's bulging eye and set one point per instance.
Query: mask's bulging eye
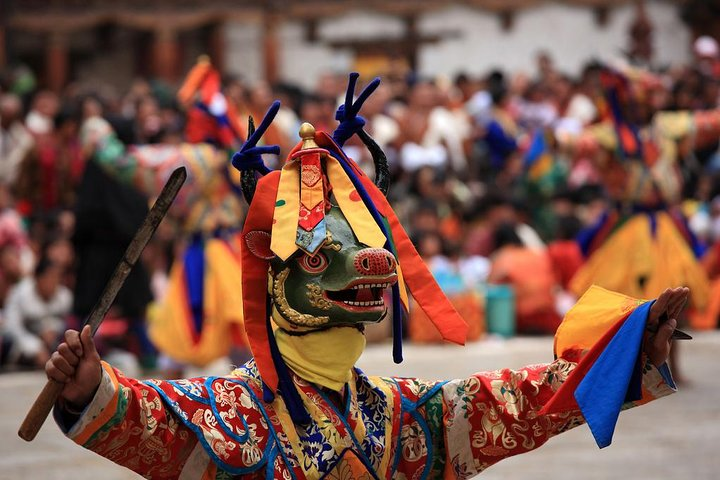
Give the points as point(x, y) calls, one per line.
point(313, 264)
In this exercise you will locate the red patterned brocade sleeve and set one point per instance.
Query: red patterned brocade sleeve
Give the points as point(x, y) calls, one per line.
point(128, 423)
point(494, 415)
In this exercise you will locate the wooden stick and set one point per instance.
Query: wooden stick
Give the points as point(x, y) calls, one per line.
point(48, 396)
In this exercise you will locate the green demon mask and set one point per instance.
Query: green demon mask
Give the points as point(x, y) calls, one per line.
point(342, 284)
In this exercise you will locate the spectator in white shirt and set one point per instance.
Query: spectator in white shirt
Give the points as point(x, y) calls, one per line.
point(35, 314)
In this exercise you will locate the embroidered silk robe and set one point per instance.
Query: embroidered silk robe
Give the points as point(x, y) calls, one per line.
point(220, 428)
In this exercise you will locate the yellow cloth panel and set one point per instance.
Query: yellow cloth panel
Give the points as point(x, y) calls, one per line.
point(588, 320)
point(361, 221)
point(632, 252)
point(287, 211)
point(324, 358)
point(673, 125)
point(170, 320)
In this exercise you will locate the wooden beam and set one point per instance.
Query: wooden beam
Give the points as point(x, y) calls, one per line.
point(51, 15)
point(47, 15)
point(507, 20)
point(43, 16)
point(56, 61)
point(3, 48)
point(270, 46)
point(398, 44)
point(412, 36)
point(4, 10)
point(601, 14)
point(165, 54)
point(177, 21)
point(311, 30)
point(215, 44)
point(45, 23)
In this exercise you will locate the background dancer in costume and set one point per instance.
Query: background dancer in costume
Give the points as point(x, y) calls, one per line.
point(643, 243)
point(320, 244)
point(199, 319)
point(639, 158)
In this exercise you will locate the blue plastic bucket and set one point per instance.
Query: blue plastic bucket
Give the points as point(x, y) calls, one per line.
point(500, 310)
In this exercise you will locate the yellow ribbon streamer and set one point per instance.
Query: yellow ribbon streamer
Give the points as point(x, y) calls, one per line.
point(287, 210)
point(357, 215)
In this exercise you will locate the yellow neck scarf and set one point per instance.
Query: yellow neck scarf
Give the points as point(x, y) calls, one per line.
point(325, 358)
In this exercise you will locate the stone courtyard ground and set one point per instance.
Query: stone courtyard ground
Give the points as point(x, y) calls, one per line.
point(675, 438)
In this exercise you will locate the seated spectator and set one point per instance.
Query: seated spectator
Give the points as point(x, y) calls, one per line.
point(35, 314)
point(9, 275)
point(707, 319)
point(15, 255)
point(444, 261)
point(491, 211)
point(15, 140)
point(564, 252)
point(10, 269)
point(530, 274)
point(428, 132)
point(49, 176)
point(59, 251)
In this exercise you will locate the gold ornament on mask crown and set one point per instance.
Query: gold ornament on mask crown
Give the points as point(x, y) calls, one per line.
point(307, 133)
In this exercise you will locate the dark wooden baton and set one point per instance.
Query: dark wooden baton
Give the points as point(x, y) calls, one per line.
point(48, 396)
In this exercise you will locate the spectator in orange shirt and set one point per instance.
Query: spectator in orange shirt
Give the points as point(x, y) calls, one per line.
point(564, 252)
point(531, 275)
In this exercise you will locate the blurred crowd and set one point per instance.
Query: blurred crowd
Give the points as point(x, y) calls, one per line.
point(480, 180)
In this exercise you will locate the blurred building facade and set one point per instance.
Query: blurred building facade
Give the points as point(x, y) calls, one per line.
point(299, 40)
